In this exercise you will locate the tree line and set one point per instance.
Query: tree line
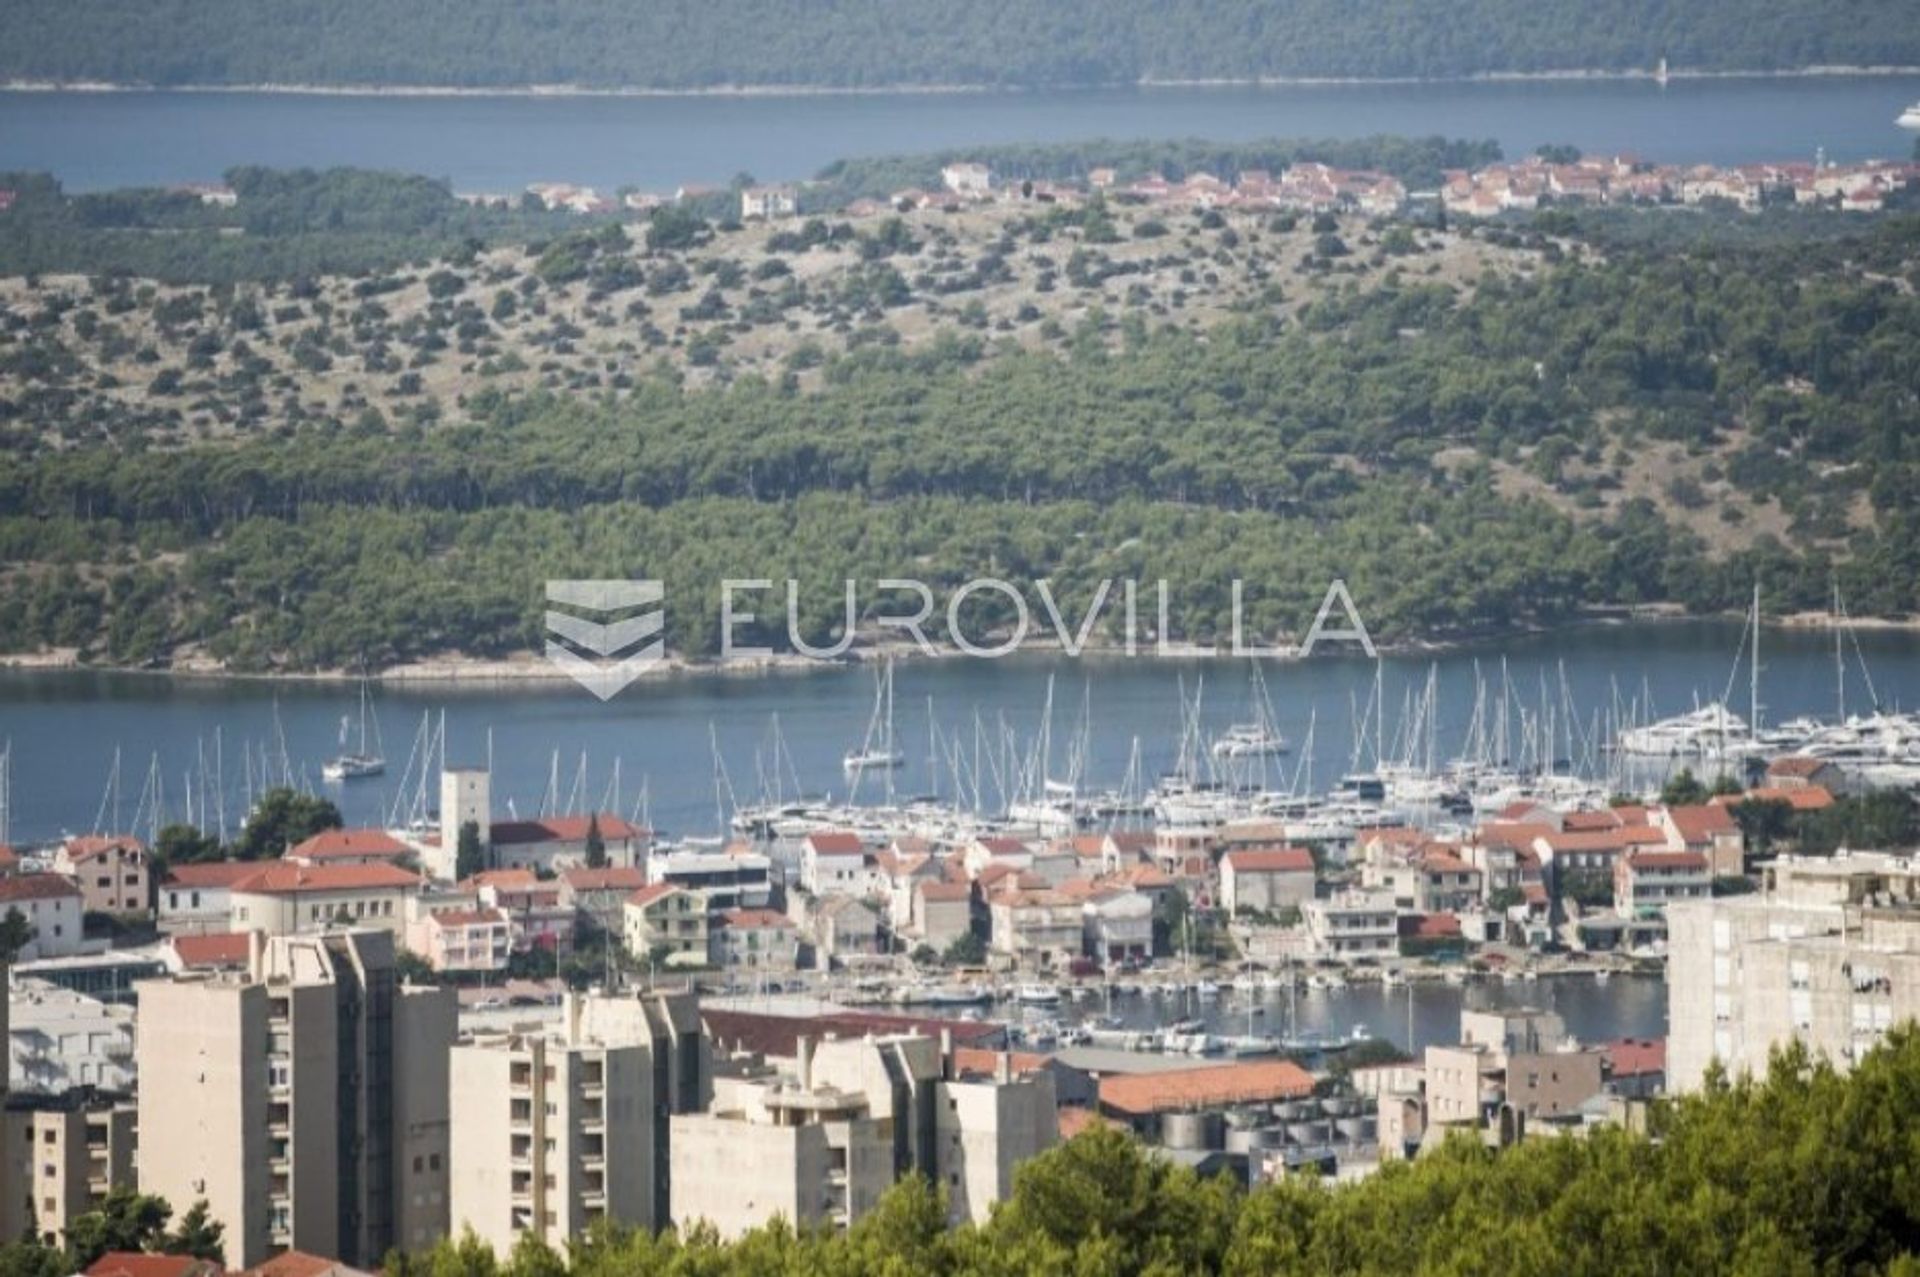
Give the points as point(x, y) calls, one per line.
point(681, 44)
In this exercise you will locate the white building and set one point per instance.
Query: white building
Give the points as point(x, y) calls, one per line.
point(51, 905)
point(59, 1040)
point(968, 180)
point(199, 897)
point(1352, 924)
point(765, 203)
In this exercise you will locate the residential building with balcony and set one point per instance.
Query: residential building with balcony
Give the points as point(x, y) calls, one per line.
point(1352, 924)
point(663, 916)
point(63, 1154)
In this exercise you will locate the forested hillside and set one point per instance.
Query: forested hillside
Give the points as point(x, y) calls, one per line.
point(681, 44)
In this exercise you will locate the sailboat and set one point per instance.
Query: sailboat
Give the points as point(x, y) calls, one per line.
point(877, 751)
point(361, 761)
point(1257, 737)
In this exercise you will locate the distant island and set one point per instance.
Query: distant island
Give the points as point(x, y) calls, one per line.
point(716, 45)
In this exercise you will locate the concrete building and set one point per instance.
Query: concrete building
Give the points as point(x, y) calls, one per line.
point(819, 1147)
point(305, 1099)
point(110, 870)
point(553, 843)
point(472, 940)
point(284, 898)
point(768, 202)
point(597, 896)
point(59, 1040)
point(1037, 928)
point(968, 179)
point(1265, 881)
point(735, 878)
point(832, 862)
point(1116, 924)
point(62, 1155)
point(1352, 924)
point(1649, 881)
point(199, 898)
point(466, 798)
point(756, 940)
point(553, 1128)
point(51, 905)
point(663, 917)
point(942, 913)
point(1830, 956)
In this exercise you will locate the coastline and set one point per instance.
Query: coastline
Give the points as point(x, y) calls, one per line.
point(1572, 76)
point(529, 669)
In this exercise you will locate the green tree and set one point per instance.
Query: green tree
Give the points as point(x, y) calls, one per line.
point(1683, 789)
point(469, 857)
point(282, 818)
point(16, 933)
point(967, 950)
point(198, 1234)
point(181, 844)
point(125, 1220)
point(596, 843)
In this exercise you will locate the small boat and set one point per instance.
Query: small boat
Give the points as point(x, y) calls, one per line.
point(1038, 995)
point(1207, 989)
point(1910, 118)
point(362, 761)
point(1249, 740)
point(1455, 975)
point(1602, 976)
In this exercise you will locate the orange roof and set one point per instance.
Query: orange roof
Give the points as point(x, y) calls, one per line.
point(647, 895)
point(1279, 860)
point(1179, 1089)
point(468, 918)
point(1575, 821)
point(87, 846)
point(974, 1059)
point(1701, 824)
point(1004, 846)
point(215, 950)
point(1587, 840)
point(295, 1263)
point(835, 842)
point(945, 891)
point(1515, 836)
point(288, 878)
point(757, 919)
point(1799, 797)
point(1632, 1057)
point(337, 844)
point(612, 878)
point(1666, 860)
point(210, 873)
point(121, 1263)
point(1796, 765)
point(36, 887)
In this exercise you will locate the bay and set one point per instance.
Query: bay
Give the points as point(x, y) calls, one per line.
point(499, 143)
point(699, 743)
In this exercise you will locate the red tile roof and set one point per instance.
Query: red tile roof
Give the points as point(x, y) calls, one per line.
point(217, 950)
point(210, 874)
point(1703, 823)
point(975, 1059)
point(87, 846)
point(757, 919)
point(336, 844)
point(1074, 1120)
point(1183, 1089)
point(647, 895)
point(1575, 821)
point(947, 891)
point(563, 829)
point(612, 878)
point(121, 1263)
point(36, 887)
point(286, 878)
point(469, 918)
point(1430, 926)
point(1667, 860)
point(296, 1263)
point(835, 842)
point(1279, 860)
point(1636, 1057)
point(1796, 765)
point(1004, 846)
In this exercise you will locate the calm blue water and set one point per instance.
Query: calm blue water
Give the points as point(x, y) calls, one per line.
point(94, 141)
point(64, 727)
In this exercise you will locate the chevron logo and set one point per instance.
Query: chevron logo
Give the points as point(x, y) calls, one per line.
point(610, 636)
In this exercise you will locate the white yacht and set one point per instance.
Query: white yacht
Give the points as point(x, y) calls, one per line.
point(1249, 740)
point(1910, 118)
point(1712, 731)
point(363, 760)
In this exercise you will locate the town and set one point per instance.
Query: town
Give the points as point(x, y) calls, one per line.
point(380, 1037)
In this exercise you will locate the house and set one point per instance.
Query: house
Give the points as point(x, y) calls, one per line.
point(1265, 881)
point(298, 1263)
point(1797, 771)
point(209, 951)
point(469, 940)
point(765, 203)
point(532, 905)
point(968, 180)
point(125, 1263)
point(1116, 923)
point(986, 852)
point(832, 861)
point(110, 870)
point(845, 927)
point(553, 843)
point(51, 905)
point(349, 847)
point(942, 913)
point(894, 875)
point(736, 877)
point(1036, 927)
point(1649, 881)
point(757, 940)
point(667, 921)
point(1707, 829)
point(197, 897)
point(1352, 924)
point(598, 896)
point(1141, 1100)
point(284, 898)
point(1635, 1067)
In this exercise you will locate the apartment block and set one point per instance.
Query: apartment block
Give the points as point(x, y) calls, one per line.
point(304, 1098)
point(819, 1145)
point(1828, 956)
point(553, 1130)
point(63, 1154)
